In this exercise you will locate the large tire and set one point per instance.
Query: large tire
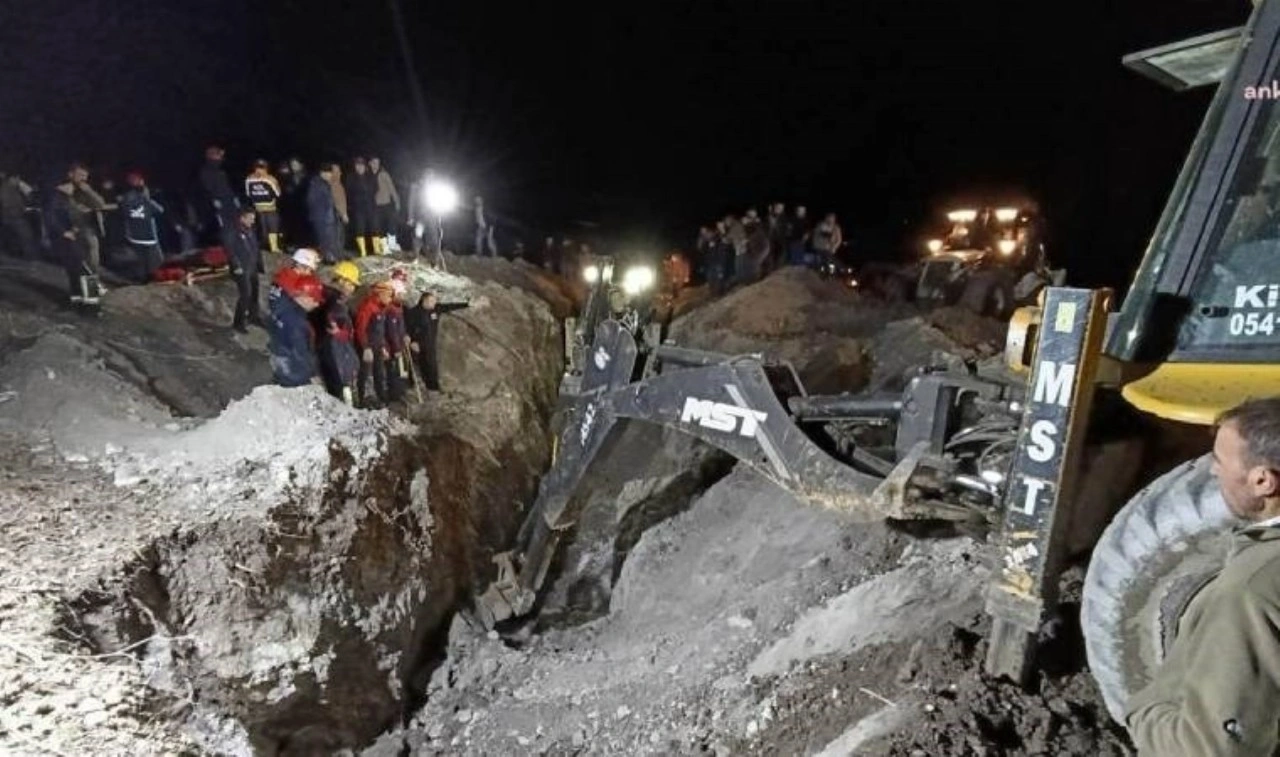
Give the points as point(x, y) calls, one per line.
point(1158, 551)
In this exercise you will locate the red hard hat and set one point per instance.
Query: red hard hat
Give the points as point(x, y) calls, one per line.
point(399, 274)
point(135, 179)
point(309, 286)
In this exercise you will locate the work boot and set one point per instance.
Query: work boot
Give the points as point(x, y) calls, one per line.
point(273, 241)
point(360, 244)
point(379, 246)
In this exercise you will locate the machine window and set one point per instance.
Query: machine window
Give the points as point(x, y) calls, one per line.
point(1235, 298)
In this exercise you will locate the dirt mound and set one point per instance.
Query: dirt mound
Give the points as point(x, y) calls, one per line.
point(838, 339)
point(270, 580)
point(704, 597)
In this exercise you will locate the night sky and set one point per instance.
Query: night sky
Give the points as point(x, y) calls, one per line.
point(645, 117)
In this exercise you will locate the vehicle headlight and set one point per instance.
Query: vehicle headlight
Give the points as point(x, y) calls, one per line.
point(637, 279)
point(934, 245)
point(591, 274)
point(1007, 246)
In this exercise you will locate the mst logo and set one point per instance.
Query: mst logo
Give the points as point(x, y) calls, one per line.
point(718, 416)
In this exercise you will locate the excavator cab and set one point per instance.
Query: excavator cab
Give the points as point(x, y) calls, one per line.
point(1201, 324)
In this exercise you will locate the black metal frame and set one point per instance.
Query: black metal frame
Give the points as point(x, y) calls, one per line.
point(755, 411)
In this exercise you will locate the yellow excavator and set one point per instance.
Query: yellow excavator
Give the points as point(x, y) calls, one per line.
point(1198, 333)
point(1037, 451)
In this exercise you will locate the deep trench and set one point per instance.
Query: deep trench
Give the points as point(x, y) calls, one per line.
point(477, 500)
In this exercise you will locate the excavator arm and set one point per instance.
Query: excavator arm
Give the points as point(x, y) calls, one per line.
point(755, 411)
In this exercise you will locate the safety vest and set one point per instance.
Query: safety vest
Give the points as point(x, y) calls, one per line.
point(263, 192)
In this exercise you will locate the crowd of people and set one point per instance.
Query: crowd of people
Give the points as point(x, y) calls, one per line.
point(742, 249)
point(133, 230)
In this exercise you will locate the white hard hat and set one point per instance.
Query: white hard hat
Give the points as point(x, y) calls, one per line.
point(307, 257)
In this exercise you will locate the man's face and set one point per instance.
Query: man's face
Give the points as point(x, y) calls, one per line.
point(1245, 487)
point(306, 303)
point(385, 296)
point(344, 286)
point(361, 167)
point(375, 164)
point(429, 302)
point(79, 175)
point(246, 220)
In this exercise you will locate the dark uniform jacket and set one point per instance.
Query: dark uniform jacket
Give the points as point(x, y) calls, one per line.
point(139, 212)
point(263, 191)
point(361, 190)
point(217, 187)
point(320, 207)
point(424, 325)
point(241, 245)
point(290, 346)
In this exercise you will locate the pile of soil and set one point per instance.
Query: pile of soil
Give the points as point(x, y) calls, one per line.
point(838, 339)
point(191, 563)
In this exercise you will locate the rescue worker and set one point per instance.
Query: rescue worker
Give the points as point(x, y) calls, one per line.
point(424, 330)
point(302, 263)
point(245, 254)
point(323, 215)
point(339, 363)
point(141, 232)
point(18, 236)
point(371, 341)
point(386, 206)
point(65, 237)
point(362, 189)
point(397, 340)
point(263, 191)
point(221, 203)
point(1218, 689)
point(291, 343)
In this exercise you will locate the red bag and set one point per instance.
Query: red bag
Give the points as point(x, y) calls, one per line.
point(214, 257)
point(169, 273)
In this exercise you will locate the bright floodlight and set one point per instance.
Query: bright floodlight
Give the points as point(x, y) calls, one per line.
point(637, 279)
point(591, 274)
point(935, 245)
point(441, 197)
point(1007, 246)
point(962, 216)
point(1006, 215)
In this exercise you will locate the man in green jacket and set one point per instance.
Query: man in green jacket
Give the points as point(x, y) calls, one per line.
point(1218, 692)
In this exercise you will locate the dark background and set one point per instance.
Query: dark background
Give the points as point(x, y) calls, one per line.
point(646, 118)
